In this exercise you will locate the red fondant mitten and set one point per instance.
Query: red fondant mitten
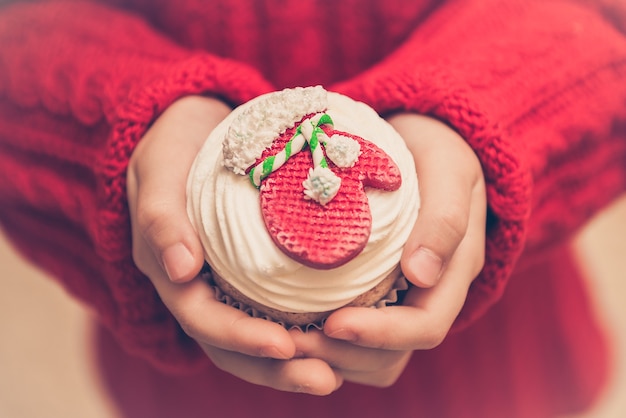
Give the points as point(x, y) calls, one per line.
point(324, 236)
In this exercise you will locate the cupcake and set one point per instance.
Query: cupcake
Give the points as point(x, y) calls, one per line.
point(303, 200)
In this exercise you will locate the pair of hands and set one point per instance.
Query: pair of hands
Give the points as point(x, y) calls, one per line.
point(444, 253)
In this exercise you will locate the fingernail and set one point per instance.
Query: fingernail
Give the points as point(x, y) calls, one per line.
point(343, 334)
point(178, 261)
point(427, 266)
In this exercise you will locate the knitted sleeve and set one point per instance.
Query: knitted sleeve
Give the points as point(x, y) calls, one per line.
point(538, 90)
point(79, 85)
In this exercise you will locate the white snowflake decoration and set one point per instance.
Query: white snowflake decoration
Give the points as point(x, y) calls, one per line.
point(321, 185)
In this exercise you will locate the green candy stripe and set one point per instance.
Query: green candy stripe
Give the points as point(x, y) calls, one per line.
point(319, 160)
point(288, 149)
point(325, 119)
point(269, 165)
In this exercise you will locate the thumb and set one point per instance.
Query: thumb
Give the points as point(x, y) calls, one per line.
point(434, 239)
point(157, 180)
point(163, 223)
point(446, 169)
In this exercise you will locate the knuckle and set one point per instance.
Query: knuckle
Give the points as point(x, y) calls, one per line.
point(219, 359)
point(433, 338)
point(391, 362)
point(138, 258)
point(152, 218)
point(479, 263)
point(141, 255)
point(189, 329)
point(451, 223)
point(478, 258)
point(389, 375)
point(389, 379)
point(188, 326)
point(149, 212)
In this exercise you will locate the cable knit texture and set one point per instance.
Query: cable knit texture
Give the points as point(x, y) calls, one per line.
point(535, 87)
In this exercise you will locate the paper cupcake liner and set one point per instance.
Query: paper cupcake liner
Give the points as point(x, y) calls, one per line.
point(400, 285)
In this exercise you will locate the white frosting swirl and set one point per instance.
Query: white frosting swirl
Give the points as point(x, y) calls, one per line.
point(224, 208)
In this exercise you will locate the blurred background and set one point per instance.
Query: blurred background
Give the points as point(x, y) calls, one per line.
point(46, 369)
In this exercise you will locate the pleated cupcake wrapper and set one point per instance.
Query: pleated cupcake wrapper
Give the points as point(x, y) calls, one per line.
point(390, 298)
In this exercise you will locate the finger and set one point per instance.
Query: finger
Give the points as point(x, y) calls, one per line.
point(211, 322)
point(312, 376)
point(443, 162)
point(160, 211)
point(378, 378)
point(393, 328)
point(343, 355)
point(162, 221)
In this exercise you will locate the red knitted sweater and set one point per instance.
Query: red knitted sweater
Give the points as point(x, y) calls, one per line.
point(537, 88)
